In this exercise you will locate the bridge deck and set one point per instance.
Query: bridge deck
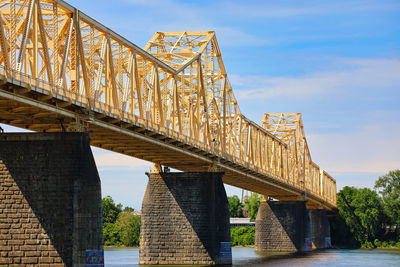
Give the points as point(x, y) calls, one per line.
point(170, 103)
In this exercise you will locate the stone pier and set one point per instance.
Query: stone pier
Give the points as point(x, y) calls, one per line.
point(50, 200)
point(321, 234)
point(185, 219)
point(283, 226)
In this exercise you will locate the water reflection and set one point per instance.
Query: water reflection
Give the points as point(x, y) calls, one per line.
point(247, 257)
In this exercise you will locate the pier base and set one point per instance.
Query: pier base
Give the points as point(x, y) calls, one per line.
point(321, 234)
point(282, 226)
point(50, 200)
point(185, 220)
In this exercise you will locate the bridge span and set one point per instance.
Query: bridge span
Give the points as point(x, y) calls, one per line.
point(170, 103)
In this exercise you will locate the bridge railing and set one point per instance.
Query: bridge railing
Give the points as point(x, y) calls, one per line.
point(273, 160)
point(54, 48)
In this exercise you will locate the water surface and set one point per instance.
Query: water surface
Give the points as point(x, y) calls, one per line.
point(247, 257)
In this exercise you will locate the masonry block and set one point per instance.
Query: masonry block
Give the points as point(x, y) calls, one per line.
point(320, 229)
point(50, 197)
point(282, 226)
point(185, 220)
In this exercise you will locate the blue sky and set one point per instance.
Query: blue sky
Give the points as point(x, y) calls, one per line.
point(336, 62)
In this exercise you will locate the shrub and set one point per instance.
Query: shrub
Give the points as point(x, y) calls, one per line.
point(112, 235)
point(368, 244)
point(128, 225)
point(242, 236)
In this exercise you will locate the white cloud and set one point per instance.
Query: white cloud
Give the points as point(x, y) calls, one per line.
point(171, 15)
point(168, 8)
point(267, 9)
point(356, 179)
point(358, 156)
point(229, 36)
point(352, 74)
point(304, 8)
point(373, 148)
point(146, 2)
point(114, 161)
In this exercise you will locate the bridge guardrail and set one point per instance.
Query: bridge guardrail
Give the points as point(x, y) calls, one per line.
point(184, 93)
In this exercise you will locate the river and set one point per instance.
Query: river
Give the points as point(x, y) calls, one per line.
point(247, 257)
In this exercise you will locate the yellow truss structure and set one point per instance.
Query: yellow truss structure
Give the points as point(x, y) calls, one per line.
point(169, 103)
point(289, 128)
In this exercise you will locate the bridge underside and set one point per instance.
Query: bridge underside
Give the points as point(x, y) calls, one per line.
point(35, 109)
point(169, 103)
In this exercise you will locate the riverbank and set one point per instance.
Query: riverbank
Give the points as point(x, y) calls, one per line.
point(367, 248)
point(252, 246)
point(246, 256)
point(391, 248)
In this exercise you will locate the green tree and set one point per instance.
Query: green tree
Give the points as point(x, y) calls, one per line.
point(389, 188)
point(359, 213)
point(251, 205)
point(242, 236)
point(129, 227)
point(369, 209)
point(341, 233)
point(110, 210)
point(111, 235)
point(235, 207)
point(128, 209)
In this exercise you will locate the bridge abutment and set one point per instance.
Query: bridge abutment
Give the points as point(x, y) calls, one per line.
point(282, 226)
point(50, 200)
point(321, 235)
point(185, 219)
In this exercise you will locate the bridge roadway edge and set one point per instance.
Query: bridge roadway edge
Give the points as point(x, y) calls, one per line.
point(107, 133)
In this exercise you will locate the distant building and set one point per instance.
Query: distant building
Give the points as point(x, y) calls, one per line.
point(137, 212)
point(236, 222)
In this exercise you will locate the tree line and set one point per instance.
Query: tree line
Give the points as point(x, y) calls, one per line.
point(120, 226)
point(368, 218)
point(248, 208)
point(364, 218)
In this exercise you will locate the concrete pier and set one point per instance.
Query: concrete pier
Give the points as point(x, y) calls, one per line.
point(50, 200)
point(321, 234)
point(185, 220)
point(283, 226)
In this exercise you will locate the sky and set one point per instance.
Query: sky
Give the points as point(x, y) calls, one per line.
point(336, 62)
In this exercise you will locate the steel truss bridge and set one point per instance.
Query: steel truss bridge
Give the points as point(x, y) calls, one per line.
point(170, 103)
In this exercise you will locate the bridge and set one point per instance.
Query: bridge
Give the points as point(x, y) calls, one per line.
point(170, 103)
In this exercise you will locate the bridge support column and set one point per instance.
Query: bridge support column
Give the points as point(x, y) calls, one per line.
point(321, 236)
point(50, 200)
point(282, 226)
point(185, 219)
